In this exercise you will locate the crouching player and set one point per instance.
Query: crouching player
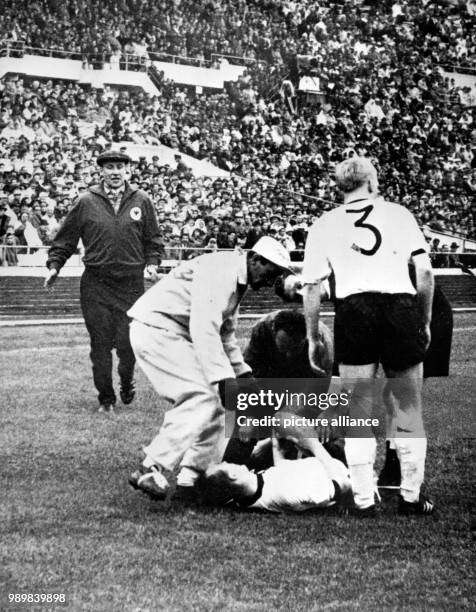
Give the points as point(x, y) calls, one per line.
point(278, 349)
point(297, 485)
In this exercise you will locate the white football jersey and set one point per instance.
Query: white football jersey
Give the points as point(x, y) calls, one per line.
point(368, 244)
point(295, 486)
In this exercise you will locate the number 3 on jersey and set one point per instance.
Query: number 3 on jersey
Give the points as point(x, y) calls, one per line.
point(361, 223)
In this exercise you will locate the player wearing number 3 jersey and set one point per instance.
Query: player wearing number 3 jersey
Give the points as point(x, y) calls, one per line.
point(380, 319)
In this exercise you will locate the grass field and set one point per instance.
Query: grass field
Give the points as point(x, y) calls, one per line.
point(70, 524)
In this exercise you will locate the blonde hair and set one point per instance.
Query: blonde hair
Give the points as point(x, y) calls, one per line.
point(354, 172)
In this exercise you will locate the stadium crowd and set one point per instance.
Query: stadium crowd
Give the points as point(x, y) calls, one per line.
point(384, 97)
point(261, 29)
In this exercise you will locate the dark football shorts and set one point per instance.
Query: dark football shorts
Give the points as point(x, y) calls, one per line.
point(379, 328)
point(437, 358)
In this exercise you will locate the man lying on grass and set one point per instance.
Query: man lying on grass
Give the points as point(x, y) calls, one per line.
point(296, 485)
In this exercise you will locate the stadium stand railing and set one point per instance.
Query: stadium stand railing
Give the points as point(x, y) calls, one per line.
point(126, 61)
point(182, 70)
point(467, 68)
point(11, 46)
point(237, 60)
point(35, 257)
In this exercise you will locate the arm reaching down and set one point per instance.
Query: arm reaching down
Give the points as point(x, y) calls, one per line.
point(312, 305)
point(425, 286)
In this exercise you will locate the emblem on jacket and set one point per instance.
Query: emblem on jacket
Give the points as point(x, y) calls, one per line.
point(136, 213)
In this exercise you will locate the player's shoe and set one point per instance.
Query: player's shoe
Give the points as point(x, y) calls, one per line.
point(350, 509)
point(150, 481)
point(369, 512)
point(127, 392)
point(106, 407)
point(422, 507)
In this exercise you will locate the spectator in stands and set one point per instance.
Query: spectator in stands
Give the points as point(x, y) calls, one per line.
point(173, 249)
point(254, 234)
point(9, 251)
point(5, 218)
point(26, 235)
point(434, 253)
point(50, 224)
point(384, 97)
point(444, 257)
point(453, 259)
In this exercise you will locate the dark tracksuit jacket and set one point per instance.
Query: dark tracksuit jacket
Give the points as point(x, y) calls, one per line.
point(117, 245)
point(117, 249)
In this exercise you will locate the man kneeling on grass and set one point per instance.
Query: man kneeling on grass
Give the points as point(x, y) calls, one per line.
point(290, 485)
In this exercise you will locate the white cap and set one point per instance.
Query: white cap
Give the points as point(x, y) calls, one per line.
point(273, 251)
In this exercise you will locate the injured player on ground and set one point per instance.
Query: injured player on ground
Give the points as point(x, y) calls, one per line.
point(288, 486)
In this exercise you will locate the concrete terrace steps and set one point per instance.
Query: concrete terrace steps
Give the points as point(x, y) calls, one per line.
point(24, 297)
point(460, 289)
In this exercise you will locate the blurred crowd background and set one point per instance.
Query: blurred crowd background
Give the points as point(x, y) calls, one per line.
point(382, 94)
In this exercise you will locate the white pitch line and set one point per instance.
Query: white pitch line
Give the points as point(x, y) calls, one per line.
point(43, 349)
point(79, 320)
point(39, 322)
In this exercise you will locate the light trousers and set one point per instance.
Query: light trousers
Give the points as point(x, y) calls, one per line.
point(192, 433)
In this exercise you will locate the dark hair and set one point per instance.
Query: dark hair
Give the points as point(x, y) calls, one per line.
point(290, 321)
point(216, 489)
point(252, 255)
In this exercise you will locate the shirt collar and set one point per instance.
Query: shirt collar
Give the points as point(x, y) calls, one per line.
point(247, 501)
point(115, 192)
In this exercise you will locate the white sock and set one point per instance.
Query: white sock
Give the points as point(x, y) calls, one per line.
point(412, 454)
point(187, 477)
point(360, 456)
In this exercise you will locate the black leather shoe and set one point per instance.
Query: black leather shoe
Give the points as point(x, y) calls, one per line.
point(150, 481)
point(127, 392)
point(422, 507)
point(370, 512)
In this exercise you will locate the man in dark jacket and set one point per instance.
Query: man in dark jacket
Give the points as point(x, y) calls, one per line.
point(5, 218)
point(117, 225)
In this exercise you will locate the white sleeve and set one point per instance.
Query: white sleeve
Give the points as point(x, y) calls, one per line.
point(413, 236)
point(231, 346)
point(212, 287)
point(316, 262)
point(325, 291)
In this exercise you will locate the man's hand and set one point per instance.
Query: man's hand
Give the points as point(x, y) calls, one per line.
point(317, 355)
point(287, 288)
point(151, 271)
point(323, 431)
point(50, 279)
point(427, 335)
point(248, 383)
point(246, 433)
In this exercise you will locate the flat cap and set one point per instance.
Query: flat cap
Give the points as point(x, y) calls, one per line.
point(113, 156)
